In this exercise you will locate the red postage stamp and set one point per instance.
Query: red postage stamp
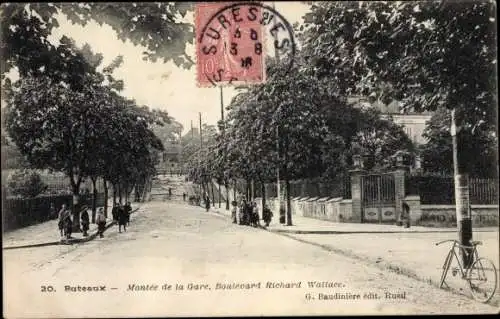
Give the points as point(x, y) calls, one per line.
point(230, 44)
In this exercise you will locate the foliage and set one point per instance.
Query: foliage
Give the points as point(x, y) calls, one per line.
point(380, 139)
point(25, 183)
point(26, 28)
point(85, 131)
point(424, 54)
point(437, 153)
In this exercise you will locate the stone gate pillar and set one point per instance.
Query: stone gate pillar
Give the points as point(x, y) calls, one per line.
point(399, 189)
point(357, 214)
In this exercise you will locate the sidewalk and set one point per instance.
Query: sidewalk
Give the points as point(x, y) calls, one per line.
point(47, 234)
point(408, 251)
point(305, 225)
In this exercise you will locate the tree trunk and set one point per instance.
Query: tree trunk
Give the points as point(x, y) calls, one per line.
point(220, 195)
point(114, 193)
point(213, 193)
point(76, 209)
point(287, 186)
point(94, 197)
point(227, 193)
point(234, 190)
point(247, 190)
point(253, 189)
point(120, 193)
point(105, 198)
point(263, 190)
point(288, 203)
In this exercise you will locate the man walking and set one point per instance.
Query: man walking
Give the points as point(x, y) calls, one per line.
point(61, 217)
point(101, 221)
point(84, 216)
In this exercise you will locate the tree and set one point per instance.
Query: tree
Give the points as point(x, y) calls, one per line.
point(380, 139)
point(437, 153)
point(26, 183)
point(25, 29)
point(425, 54)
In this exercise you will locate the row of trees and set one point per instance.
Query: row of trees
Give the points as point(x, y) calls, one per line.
point(66, 112)
point(432, 56)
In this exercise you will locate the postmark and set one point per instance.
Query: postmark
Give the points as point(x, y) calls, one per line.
point(232, 41)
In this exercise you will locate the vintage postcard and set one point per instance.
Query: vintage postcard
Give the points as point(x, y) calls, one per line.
point(207, 159)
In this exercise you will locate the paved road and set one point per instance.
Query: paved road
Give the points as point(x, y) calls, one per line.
point(169, 244)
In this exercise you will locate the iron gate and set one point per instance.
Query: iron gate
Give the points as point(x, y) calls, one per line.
point(378, 198)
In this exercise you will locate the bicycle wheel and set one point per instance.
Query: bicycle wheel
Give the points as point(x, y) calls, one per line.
point(482, 278)
point(446, 267)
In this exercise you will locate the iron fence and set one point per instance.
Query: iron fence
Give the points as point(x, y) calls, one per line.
point(440, 190)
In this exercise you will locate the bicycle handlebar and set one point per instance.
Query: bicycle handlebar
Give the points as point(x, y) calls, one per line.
point(448, 240)
point(456, 243)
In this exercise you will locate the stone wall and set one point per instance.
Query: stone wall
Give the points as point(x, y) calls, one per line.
point(445, 216)
point(332, 209)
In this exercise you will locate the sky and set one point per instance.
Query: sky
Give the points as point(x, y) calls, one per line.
point(161, 85)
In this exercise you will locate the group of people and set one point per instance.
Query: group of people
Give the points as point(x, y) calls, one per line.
point(65, 220)
point(248, 214)
point(121, 214)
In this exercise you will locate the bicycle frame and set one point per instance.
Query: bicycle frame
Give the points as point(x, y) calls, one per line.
point(470, 251)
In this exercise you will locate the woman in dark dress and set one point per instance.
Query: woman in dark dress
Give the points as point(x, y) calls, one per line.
point(122, 219)
point(84, 216)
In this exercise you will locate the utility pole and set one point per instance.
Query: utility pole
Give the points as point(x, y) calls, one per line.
point(192, 132)
point(277, 57)
point(462, 201)
point(201, 134)
point(223, 134)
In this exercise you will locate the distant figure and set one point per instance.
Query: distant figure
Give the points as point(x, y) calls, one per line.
point(84, 216)
point(184, 197)
point(128, 211)
point(52, 212)
point(61, 216)
point(405, 216)
point(114, 211)
point(254, 214)
point(267, 215)
point(122, 219)
point(233, 211)
point(207, 203)
point(67, 222)
point(169, 192)
point(243, 213)
point(100, 219)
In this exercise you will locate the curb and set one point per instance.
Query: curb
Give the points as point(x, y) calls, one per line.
point(67, 242)
point(383, 265)
point(340, 232)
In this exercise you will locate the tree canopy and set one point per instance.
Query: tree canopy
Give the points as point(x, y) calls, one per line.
point(25, 27)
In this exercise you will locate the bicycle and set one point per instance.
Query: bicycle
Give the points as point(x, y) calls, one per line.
point(478, 272)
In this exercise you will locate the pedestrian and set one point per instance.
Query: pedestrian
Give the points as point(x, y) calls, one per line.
point(242, 212)
point(207, 203)
point(67, 222)
point(267, 215)
point(233, 212)
point(101, 222)
point(84, 216)
point(122, 219)
point(184, 197)
point(255, 214)
point(128, 211)
point(114, 211)
point(61, 216)
point(406, 215)
point(52, 212)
